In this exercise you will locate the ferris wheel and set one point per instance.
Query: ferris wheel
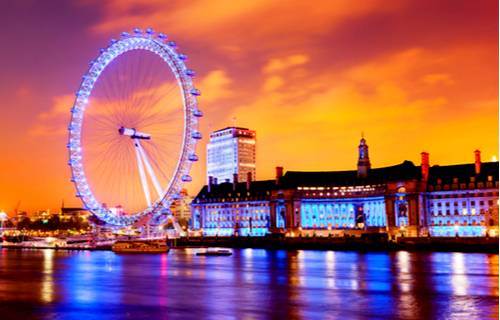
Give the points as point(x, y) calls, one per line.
point(134, 129)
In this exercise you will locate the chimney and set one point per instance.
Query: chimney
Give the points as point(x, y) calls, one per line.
point(425, 165)
point(210, 182)
point(215, 181)
point(477, 154)
point(279, 174)
point(235, 181)
point(249, 179)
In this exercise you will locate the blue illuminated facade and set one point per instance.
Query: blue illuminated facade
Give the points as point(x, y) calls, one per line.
point(342, 213)
point(232, 209)
point(400, 200)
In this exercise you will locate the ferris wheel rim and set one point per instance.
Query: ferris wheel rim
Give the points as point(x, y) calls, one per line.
point(157, 44)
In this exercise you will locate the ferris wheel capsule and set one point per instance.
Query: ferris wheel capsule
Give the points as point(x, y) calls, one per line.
point(196, 135)
point(195, 92)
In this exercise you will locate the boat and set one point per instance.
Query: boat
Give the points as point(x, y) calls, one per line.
point(219, 252)
point(137, 246)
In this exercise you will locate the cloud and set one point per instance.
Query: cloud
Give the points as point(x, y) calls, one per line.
point(61, 105)
point(231, 23)
point(438, 78)
point(282, 64)
point(54, 121)
point(215, 86)
point(324, 117)
point(273, 83)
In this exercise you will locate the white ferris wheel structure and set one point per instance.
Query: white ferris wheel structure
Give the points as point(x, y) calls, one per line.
point(134, 129)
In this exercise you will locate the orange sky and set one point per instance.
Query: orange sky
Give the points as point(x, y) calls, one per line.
point(413, 75)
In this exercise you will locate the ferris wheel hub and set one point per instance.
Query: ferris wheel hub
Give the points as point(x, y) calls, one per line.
point(133, 133)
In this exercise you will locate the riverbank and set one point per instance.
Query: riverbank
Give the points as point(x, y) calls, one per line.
point(431, 244)
point(450, 244)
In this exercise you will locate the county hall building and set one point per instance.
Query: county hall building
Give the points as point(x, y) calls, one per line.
point(404, 199)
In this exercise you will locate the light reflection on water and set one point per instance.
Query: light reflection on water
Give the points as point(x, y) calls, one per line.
point(252, 283)
point(47, 290)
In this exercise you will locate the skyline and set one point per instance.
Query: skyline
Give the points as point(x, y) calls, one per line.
point(337, 71)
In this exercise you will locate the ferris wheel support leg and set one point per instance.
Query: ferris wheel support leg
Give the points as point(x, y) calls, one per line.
point(152, 175)
point(140, 164)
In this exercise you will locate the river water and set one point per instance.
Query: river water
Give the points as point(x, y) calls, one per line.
point(250, 284)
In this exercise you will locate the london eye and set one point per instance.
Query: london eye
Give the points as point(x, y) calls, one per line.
point(133, 129)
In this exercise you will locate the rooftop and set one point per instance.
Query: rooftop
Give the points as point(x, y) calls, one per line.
point(237, 128)
point(404, 171)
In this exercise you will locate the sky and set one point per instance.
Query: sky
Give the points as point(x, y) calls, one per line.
point(412, 75)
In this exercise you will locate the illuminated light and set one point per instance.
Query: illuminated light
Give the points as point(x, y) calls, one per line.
point(47, 287)
point(459, 279)
point(494, 159)
point(196, 135)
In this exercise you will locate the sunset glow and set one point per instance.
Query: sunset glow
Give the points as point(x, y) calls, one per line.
point(412, 75)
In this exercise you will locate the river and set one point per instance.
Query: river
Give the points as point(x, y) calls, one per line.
point(250, 284)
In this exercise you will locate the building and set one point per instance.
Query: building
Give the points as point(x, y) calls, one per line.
point(235, 208)
point(231, 151)
point(401, 200)
point(180, 208)
point(462, 199)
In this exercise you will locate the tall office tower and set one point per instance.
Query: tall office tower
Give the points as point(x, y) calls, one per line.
point(231, 151)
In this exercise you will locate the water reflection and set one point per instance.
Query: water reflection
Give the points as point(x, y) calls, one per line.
point(250, 284)
point(459, 279)
point(47, 287)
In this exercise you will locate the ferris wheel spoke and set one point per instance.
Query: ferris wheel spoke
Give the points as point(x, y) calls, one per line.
point(157, 93)
point(154, 98)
